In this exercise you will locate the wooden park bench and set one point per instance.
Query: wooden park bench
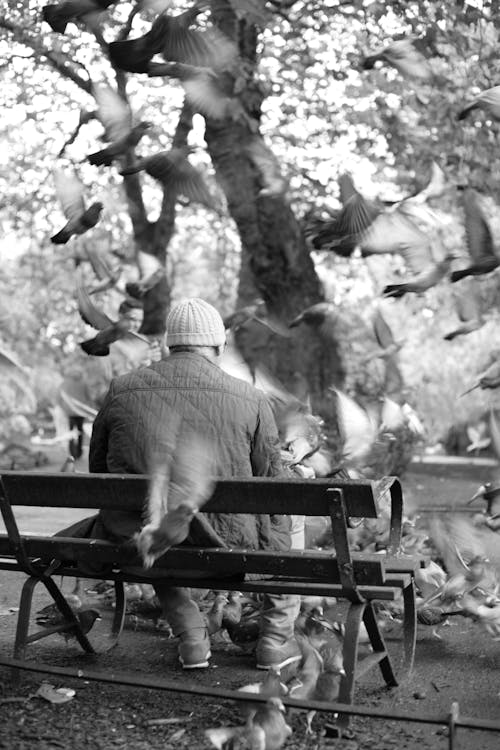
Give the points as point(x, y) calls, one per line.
point(360, 579)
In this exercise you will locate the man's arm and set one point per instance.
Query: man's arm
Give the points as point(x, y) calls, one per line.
point(265, 454)
point(98, 449)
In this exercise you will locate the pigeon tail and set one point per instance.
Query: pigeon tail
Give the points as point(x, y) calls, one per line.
point(52, 16)
point(61, 238)
point(94, 349)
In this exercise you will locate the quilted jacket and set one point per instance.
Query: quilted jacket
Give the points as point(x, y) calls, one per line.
point(233, 415)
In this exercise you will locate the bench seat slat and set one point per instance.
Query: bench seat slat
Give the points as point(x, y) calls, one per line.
point(317, 565)
point(270, 586)
point(127, 492)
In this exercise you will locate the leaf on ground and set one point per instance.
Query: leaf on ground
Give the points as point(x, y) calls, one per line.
point(55, 695)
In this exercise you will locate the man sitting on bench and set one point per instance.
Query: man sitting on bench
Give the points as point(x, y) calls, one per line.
point(238, 421)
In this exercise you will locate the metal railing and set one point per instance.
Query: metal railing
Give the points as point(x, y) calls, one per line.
point(453, 720)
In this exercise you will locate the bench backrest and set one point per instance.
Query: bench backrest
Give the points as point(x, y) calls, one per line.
point(128, 492)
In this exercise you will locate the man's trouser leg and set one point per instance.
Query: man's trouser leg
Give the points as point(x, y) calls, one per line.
point(75, 446)
point(186, 621)
point(277, 646)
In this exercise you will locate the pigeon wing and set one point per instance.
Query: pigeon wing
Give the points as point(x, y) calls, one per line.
point(89, 312)
point(69, 190)
point(114, 112)
point(477, 232)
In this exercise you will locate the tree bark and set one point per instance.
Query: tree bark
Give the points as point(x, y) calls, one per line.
point(273, 243)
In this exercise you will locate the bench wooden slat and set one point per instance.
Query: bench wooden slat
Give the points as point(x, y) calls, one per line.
point(317, 565)
point(127, 492)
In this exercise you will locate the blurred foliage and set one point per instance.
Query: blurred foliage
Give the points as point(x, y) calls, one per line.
point(322, 115)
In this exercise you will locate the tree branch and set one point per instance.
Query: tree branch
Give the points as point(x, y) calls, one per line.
point(57, 61)
point(164, 225)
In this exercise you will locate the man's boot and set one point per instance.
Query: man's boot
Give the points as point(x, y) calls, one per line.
point(187, 624)
point(277, 646)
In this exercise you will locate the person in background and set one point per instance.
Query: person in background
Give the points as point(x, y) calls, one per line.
point(132, 426)
point(81, 393)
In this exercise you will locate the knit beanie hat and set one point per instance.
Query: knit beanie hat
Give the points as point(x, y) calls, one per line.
point(195, 322)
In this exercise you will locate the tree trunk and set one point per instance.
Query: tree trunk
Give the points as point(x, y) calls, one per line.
point(273, 243)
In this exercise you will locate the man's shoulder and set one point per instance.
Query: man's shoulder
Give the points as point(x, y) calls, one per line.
point(241, 387)
point(130, 380)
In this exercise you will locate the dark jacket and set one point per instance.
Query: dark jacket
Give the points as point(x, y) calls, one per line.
point(235, 417)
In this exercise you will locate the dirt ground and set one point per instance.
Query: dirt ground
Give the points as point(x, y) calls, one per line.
point(464, 666)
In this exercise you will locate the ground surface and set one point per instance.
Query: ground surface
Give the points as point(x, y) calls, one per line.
point(463, 667)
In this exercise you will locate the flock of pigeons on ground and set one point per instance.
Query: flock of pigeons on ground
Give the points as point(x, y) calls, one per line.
point(461, 580)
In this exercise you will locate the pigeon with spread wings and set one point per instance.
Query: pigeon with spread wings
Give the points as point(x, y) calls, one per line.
point(358, 429)
point(488, 100)
point(173, 170)
point(70, 191)
point(88, 11)
point(109, 330)
point(178, 489)
point(404, 57)
point(173, 37)
point(206, 91)
point(469, 556)
point(115, 115)
point(343, 233)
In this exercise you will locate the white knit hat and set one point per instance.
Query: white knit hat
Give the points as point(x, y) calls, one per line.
point(195, 322)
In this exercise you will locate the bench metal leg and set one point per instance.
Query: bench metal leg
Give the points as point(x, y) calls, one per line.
point(409, 630)
point(350, 655)
point(23, 622)
point(119, 615)
point(23, 618)
point(380, 652)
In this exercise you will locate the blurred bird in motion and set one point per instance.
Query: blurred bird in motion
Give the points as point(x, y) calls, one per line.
point(269, 171)
point(328, 683)
point(270, 687)
point(457, 541)
point(478, 436)
point(488, 100)
point(377, 229)
point(256, 311)
point(468, 307)
point(206, 90)
point(173, 170)
point(358, 429)
point(116, 117)
point(403, 56)
point(344, 232)
point(490, 493)
point(178, 489)
point(486, 612)
point(109, 330)
point(489, 378)
point(265, 730)
point(88, 11)
point(431, 272)
point(173, 37)
point(70, 190)
point(479, 240)
point(213, 617)
point(320, 315)
point(151, 271)
point(388, 346)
